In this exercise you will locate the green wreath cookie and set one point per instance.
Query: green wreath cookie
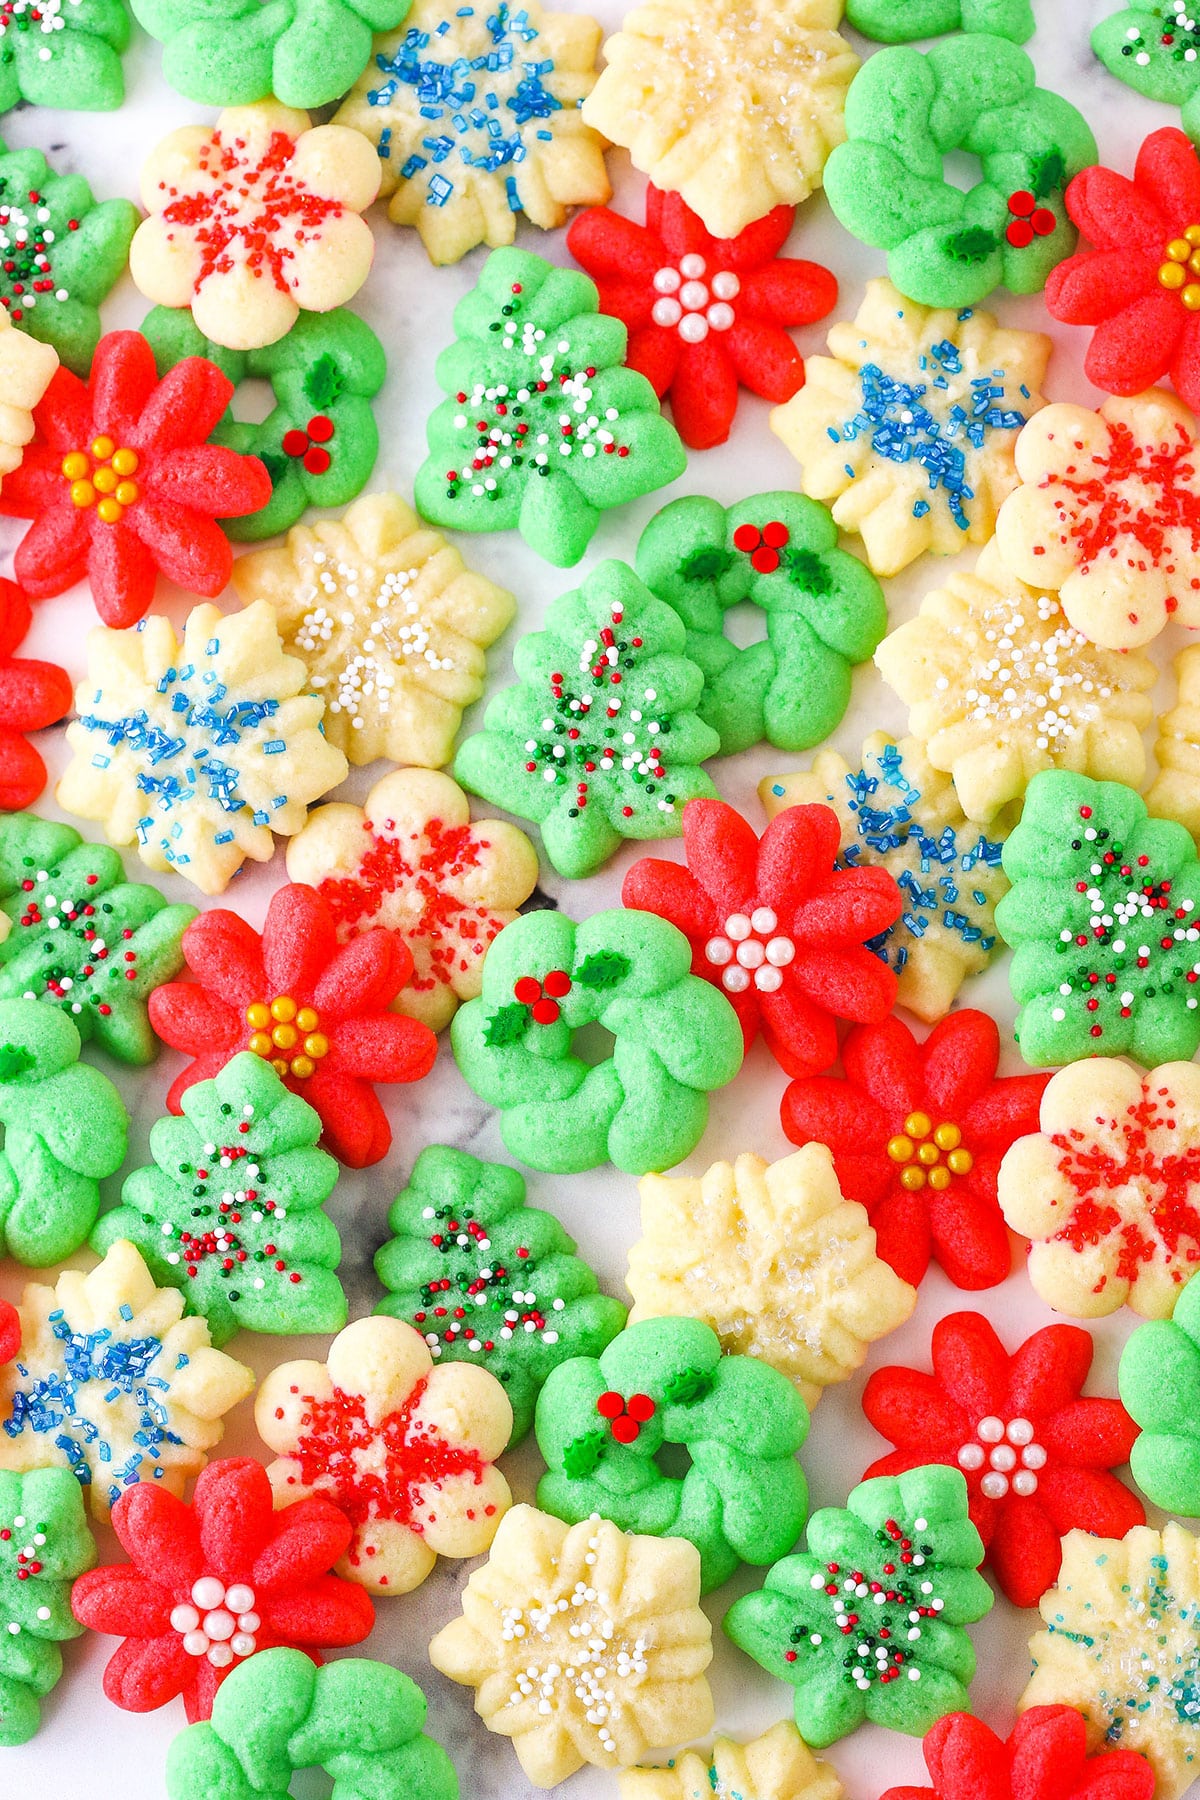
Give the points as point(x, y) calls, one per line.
point(275, 1713)
point(1159, 1382)
point(1154, 47)
point(902, 1662)
point(64, 53)
point(233, 52)
point(825, 612)
point(486, 1279)
point(646, 1105)
point(601, 1421)
point(905, 112)
point(44, 1544)
point(900, 21)
point(64, 1129)
point(600, 741)
point(320, 440)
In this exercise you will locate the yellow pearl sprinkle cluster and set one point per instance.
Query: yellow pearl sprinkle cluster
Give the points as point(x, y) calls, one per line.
point(101, 479)
point(1183, 260)
point(930, 1153)
point(278, 1030)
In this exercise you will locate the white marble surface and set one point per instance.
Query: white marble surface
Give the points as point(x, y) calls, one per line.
point(86, 1749)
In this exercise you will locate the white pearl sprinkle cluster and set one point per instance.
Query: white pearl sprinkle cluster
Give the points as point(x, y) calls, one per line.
point(694, 307)
point(997, 1446)
point(749, 951)
point(393, 630)
point(221, 1622)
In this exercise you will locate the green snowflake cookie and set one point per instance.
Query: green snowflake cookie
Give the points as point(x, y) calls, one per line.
point(64, 1129)
point(320, 440)
point(75, 934)
point(645, 1106)
point(905, 112)
point(489, 1280)
point(825, 612)
point(900, 21)
point(1154, 46)
point(232, 1212)
point(901, 1663)
point(63, 53)
point(601, 1422)
point(544, 428)
point(601, 740)
point(1102, 917)
point(358, 1720)
point(44, 1544)
point(1159, 1382)
point(61, 252)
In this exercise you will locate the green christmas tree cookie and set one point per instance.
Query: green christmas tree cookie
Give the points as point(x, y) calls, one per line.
point(901, 21)
point(358, 1720)
point(232, 1211)
point(1159, 1382)
point(44, 1544)
point(63, 53)
point(601, 1422)
point(1104, 917)
point(320, 440)
point(600, 741)
point(60, 253)
point(233, 52)
point(825, 612)
point(1154, 46)
point(489, 1280)
point(544, 428)
point(902, 1663)
point(676, 1037)
point(64, 1129)
point(75, 934)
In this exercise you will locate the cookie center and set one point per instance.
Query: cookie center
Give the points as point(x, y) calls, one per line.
point(480, 1302)
point(230, 1222)
point(84, 947)
point(101, 476)
point(25, 246)
point(879, 1613)
point(751, 950)
point(929, 1153)
point(219, 1623)
point(22, 1541)
point(363, 627)
point(308, 446)
point(694, 301)
point(287, 1034)
point(997, 1448)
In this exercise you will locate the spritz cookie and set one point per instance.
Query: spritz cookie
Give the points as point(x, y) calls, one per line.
point(1175, 790)
point(776, 1766)
point(26, 368)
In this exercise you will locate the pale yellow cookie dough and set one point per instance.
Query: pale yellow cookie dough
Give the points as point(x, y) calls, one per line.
point(584, 1644)
point(26, 370)
point(1175, 791)
point(141, 1396)
point(1115, 1145)
point(776, 1766)
point(999, 685)
point(546, 161)
point(735, 104)
point(1121, 1644)
point(390, 623)
point(864, 397)
point(406, 1450)
point(772, 1258)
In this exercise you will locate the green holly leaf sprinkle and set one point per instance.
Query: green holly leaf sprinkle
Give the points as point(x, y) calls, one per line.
point(506, 1026)
point(808, 571)
point(602, 969)
point(581, 1458)
point(972, 245)
point(323, 383)
point(688, 1385)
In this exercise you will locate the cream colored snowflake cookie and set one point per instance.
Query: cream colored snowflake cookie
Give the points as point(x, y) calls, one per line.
point(776, 1766)
point(389, 622)
point(999, 685)
point(908, 427)
point(474, 113)
point(411, 860)
point(26, 369)
point(405, 1449)
point(1107, 1189)
point(735, 104)
point(772, 1258)
point(584, 1644)
point(253, 219)
point(1121, 1644)
point(1175, 791)
point(901, 814)
point(113, 1383)
point(199, 751)
point(1108, 515)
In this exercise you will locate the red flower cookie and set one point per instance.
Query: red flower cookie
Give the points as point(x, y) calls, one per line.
point(704, 314)
point(120, 482)
point(316, 1009)
point(917, 1133)
point(1046, 1758)
point(32, 696)
point(776, 926)
point(1035, 1454)
point(211, 1584)
point(1140, 286)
